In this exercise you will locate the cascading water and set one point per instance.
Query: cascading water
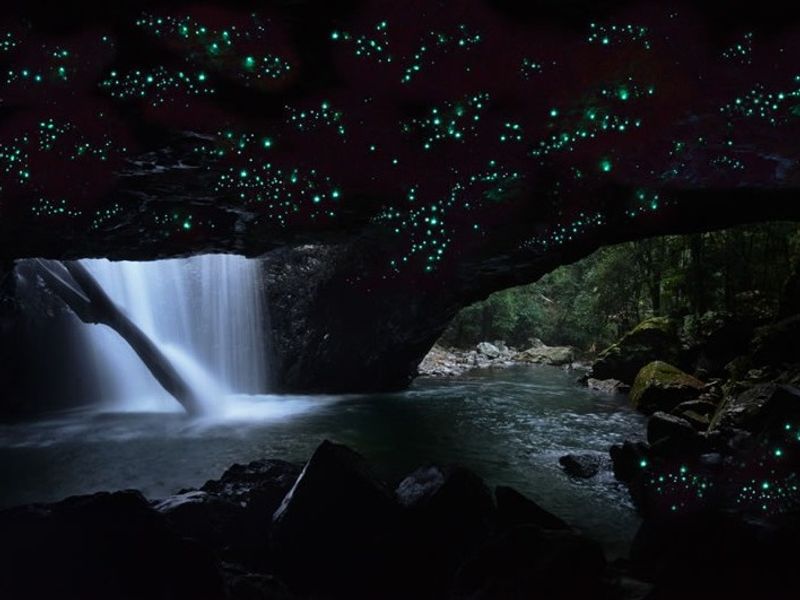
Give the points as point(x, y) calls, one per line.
point(207, 315)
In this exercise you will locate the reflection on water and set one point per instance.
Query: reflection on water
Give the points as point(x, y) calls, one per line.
point(509, 426)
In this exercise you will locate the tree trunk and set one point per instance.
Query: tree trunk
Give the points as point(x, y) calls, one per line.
point(79, 290)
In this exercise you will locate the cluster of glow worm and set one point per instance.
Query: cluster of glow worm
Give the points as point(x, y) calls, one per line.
point(376, 45)
point(741, 52)
point(278, 194)
point(766, 484)
point(454, 121)
point(57, 69)
point(220, 47)
point(425, 227)
point(774, 107)
point(284, 193)
point(612, 35)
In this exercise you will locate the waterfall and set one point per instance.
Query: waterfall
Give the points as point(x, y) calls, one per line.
point(207, 315)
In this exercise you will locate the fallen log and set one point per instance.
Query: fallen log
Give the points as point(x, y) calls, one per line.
point(79, 290)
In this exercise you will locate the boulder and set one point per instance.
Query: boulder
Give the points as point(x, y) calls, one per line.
point(547, 355)
point(660, 386)
point(101, 546)
point(653, 339)
point(514, 509)
point(663, 426)
point(448, 513)
point(333, 533)
point(581, 465)
point(763, 407)
point(529, 562)
point(488, 350)
point(607, 386)
point(233, 514)
point(628, 459)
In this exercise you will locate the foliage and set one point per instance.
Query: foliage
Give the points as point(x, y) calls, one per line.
point(593, 302)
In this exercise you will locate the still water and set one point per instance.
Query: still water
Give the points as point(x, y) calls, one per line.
point(510, 426)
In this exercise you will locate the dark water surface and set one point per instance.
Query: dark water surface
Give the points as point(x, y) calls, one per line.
point(509, 426)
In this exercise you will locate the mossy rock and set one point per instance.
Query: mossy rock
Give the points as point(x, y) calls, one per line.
point(653, 339)
point(661, 387)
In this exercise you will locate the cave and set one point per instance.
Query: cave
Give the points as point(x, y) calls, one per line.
point(459, 299)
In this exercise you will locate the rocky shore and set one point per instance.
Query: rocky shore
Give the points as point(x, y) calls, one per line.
point(717, 480)
point(450, 362)
point(329, 529)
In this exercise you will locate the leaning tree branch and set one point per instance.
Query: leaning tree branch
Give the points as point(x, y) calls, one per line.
point(79, 290)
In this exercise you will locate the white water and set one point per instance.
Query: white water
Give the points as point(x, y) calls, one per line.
point(207, 315)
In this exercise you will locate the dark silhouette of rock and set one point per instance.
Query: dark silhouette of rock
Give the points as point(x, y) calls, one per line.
point(514, 509)
point(99, 547)
point(233, 514)
point(581, 465)
point(764, 406)
point(628, 459)
point(333, 532)
point(448, 513)
point(529, 562)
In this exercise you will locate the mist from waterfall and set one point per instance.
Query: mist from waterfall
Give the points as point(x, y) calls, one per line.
point(206, 313)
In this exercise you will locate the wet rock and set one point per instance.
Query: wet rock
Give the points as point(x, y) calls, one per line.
point(333, 531)
point(547, 355)
point(514, 509)
point(653, 339)
point(607, 386)
point(765, 406)
point(660, 386)
point(529, 562)
point(581, 465)
point(101, 546)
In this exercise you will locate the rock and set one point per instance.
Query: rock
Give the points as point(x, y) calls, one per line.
point(607, 386)
point(490, 351)
point(233, 515)
point(514, 509)
point(660, 386)
point(762, 407)
point(678, 553)
point(581, 465)
point(700, 407)
point(653, 339)
point(665, 426)
point(332, 533)
point(697, 412)
point(448, 513)
point(101, 546)
point(547, 355)
point(261, 484)
point(529, 562)
point(628, 459)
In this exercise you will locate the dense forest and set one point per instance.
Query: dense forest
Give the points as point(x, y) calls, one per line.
point(747, 271)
